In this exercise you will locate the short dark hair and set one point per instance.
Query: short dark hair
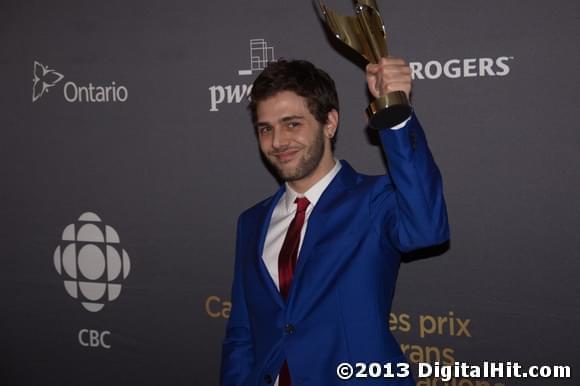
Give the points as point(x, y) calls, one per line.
point(301, 77)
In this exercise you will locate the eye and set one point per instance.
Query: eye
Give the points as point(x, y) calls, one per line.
point(293, 124)
point(264, 130)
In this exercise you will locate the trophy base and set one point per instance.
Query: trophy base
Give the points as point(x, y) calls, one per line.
point(389, 110)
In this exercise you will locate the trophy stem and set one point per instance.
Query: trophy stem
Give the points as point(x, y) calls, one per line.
point(389, 110)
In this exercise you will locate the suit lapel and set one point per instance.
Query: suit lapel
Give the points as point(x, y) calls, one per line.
point(266, 216)
point(345, 179)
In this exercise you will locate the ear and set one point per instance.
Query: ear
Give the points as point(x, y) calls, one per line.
point(331, 124)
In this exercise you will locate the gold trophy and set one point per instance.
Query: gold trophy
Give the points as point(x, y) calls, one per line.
point(365, 33)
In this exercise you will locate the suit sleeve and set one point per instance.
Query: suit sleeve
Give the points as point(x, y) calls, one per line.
point(420, 216)
point(237, 349)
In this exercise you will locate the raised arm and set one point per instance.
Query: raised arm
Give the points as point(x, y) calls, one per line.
point(420, 218)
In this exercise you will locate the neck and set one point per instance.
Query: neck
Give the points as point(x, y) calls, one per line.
point(324, 167)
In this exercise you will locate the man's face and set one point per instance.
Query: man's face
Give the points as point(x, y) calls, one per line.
point(290, 137)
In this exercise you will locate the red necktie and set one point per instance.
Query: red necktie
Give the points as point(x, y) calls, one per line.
point(286, 264)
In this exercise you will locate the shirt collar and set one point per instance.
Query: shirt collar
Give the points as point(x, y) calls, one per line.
point(313, 194)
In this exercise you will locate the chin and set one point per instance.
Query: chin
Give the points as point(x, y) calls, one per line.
point(288, 175)
point(285, 170)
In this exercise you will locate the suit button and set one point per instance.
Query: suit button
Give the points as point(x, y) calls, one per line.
point(268, 379)
point(289, 329)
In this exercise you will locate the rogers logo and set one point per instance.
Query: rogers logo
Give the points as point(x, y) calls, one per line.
point(461, 68)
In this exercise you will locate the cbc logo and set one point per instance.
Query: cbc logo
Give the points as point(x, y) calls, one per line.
point(92, 262)
point(94, 338)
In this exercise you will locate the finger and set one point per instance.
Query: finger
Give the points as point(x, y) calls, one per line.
point(372, 84)
point(377, 88)
point(394, 72)
point(389, 75)
point(373, 68)
point(392, 61)
point(397, 86)
point(397, 78)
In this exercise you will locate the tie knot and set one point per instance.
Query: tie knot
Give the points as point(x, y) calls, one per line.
point(302, 203)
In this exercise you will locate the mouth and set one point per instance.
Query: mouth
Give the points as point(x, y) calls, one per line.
point(285, 156)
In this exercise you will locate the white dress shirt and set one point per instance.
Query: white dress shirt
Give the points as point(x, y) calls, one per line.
point(282, 216)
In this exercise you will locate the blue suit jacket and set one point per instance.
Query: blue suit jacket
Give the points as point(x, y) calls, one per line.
point(340, 298)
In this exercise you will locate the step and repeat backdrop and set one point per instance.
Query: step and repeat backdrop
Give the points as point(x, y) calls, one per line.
point(127, 154)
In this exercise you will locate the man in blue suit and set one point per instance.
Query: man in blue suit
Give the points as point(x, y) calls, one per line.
point(316, 263)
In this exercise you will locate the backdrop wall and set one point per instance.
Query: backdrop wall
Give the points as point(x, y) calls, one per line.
point(127, 154)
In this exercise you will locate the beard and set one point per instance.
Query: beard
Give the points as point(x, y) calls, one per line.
point(307, 163)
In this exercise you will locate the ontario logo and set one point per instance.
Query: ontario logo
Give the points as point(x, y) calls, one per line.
point(91, 262)
point(260, 55)
point(44, 78)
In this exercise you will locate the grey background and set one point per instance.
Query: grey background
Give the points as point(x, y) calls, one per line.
point(171, 177)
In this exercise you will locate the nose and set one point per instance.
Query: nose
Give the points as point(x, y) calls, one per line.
point(279, 139)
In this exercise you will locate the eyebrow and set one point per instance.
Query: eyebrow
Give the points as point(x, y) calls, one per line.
point(281, 120)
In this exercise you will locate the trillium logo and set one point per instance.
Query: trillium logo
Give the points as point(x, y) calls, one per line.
point(92, 262)
point(43, 79)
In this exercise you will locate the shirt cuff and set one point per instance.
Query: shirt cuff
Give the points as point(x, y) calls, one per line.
point(400, 125)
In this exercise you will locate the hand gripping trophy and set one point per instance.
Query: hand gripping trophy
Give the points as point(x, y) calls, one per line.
point(365, 33)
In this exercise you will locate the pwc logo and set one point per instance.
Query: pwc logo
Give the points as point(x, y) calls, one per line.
point(260, 55)
point(45, 78)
